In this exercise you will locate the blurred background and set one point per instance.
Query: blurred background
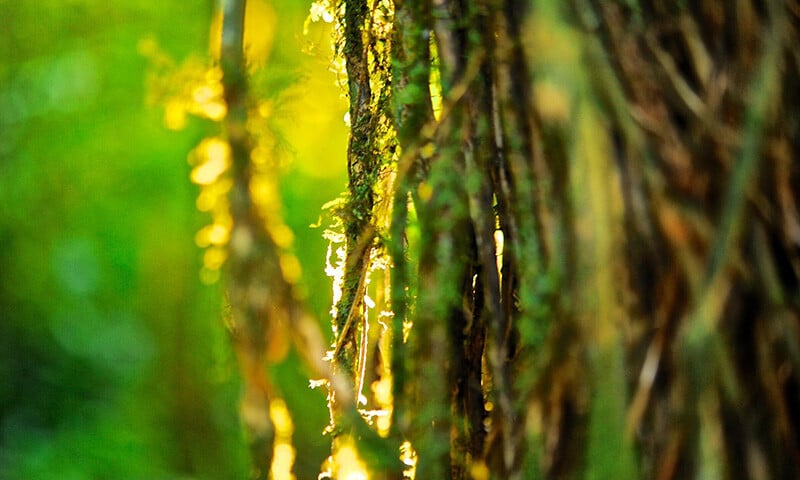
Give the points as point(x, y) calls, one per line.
point(114, 360)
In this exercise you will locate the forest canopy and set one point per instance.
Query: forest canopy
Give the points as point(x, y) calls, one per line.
point(425, 239)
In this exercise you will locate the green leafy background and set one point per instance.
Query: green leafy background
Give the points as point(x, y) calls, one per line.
point(114, 359)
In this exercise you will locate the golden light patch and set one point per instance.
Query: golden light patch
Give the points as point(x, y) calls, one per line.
point(259, 33)
point(213, 159)
point(290, 267)
point(409, 458)
point(263, 190)
point(427, 150)
point(552, 101)
point(281, 235)
point(284, 453)
point(214, 257)
point(479, 471)
point(280, 417)
point(174, 115)
point(348, 464)
point(218, 234)
point(425, 191)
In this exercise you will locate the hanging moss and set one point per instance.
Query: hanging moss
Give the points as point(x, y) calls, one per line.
point(574, 220)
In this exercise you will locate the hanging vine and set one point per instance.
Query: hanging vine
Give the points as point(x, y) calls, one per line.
point(520, 232)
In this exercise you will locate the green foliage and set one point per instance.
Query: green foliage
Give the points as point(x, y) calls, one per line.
point(563, 242)
point(113, 360)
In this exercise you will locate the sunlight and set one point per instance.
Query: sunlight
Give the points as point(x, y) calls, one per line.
point(207, 101)
point(281, 234)
point(425, 191)
point(347, 464)
point(321, 10)
point(213, 196)
point(260, 26)
point(382, 392)
point(214, 257)
point(262, 190)
point(284, 453)
point(435, 81)
point(213, 156)
point(499, 245)
point(552, 100)
point(290, 268)
point(479, 471)
point(174, 115)
point(214, 234)
point(409, 458)
point(335, 270)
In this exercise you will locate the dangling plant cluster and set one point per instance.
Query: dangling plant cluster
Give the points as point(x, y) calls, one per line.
point(568, 245)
